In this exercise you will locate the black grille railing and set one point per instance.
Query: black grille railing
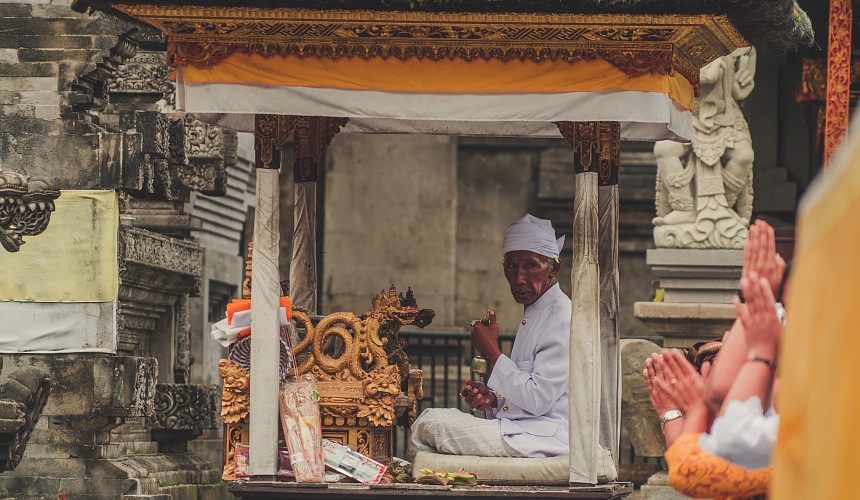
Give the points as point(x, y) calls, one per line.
point(446, 358)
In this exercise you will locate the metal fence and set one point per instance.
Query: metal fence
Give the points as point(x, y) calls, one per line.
point(446, 358)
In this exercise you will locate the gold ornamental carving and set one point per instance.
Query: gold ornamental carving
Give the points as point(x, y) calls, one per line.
point(636, 44)
point(236, 395)
point(359, 361)
point(596, 146)
point(838, 77)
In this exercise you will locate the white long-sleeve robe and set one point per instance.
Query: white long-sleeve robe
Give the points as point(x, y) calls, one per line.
point(531, 385)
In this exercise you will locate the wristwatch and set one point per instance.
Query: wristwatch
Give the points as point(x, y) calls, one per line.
point(669, 416)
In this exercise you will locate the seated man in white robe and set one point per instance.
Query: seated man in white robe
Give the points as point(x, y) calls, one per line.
point(526, 396)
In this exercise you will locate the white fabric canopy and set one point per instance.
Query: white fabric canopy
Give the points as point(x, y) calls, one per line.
point(645, 116)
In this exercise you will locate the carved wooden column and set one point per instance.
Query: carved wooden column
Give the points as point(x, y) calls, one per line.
point(594, 333)
point(269, 135)
point(312, 137)
point(838, 77)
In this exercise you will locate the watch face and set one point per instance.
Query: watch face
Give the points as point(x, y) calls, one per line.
point(671, 415)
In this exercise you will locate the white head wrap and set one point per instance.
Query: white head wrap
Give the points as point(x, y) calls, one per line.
point(534, 235)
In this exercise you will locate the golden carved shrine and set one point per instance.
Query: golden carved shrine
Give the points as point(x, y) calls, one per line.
point(365, 382)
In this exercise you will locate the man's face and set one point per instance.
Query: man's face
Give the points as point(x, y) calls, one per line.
point(529, 275)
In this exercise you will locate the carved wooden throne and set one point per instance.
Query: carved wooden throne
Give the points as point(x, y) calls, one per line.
point(360, 364)
point(362, 371)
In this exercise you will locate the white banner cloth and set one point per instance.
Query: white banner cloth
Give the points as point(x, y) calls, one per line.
point(57, 327)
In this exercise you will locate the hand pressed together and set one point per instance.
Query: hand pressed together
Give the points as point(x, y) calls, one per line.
point(681, 383)
point(758, 317)
point(760, 256)
point(659, 398)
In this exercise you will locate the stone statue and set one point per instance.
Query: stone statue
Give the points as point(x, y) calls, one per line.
point(704, 189)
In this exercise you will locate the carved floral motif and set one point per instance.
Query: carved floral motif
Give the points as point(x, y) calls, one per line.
point(25, 208)
point(236, 396)
point(185, 407)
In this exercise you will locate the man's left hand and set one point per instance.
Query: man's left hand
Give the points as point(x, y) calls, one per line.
point(486, 338)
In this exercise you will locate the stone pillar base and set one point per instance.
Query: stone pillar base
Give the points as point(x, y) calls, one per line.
point(699, 287)
point(657, 488)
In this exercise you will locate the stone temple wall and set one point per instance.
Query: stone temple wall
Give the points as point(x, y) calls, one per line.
point(429, 212)
point(85, 104)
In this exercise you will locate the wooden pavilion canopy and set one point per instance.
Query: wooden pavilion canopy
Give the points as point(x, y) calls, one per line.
point(592, 71)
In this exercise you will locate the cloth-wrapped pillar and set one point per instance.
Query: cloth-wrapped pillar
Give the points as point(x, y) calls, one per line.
point(313, 134)
point(303, 264)
point(584, 388)
point(610, 331)
point(265, 293)
point(594, 355)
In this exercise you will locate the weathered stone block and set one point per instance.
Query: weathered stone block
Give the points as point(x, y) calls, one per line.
point(657, 488)
point(26, 25)
point(10, 409)
point(9, 55)
point(52, 54)
point(124, 386)
point(11, 425)
point(28, 83)
point(101, 487)
point(39, 41)
point(15, 10)
point(29, 485)
point(29, 69)
point(637, 413)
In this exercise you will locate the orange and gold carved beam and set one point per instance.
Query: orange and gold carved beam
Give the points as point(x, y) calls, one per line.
point(637, 44)
point(838, 77)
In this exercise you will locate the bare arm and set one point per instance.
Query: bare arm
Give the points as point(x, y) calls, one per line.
point(763, 329)
point(727, 364)
point(760, 257)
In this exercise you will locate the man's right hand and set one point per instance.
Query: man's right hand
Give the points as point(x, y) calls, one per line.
point(478, 396)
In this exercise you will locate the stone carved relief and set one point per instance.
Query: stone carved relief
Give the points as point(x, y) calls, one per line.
point(185, 407)
point(146, 72)
point(203, 140)
point(156, 273)
point(170, 155)
point(90, 91)
point(704, 189)
point(23, 396)
point(182, 369)
point(25, 208)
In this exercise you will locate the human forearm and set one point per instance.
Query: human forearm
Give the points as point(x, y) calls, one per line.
point(754, 379)
point(672, 429)
point(726, 366)
point(696, 420)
